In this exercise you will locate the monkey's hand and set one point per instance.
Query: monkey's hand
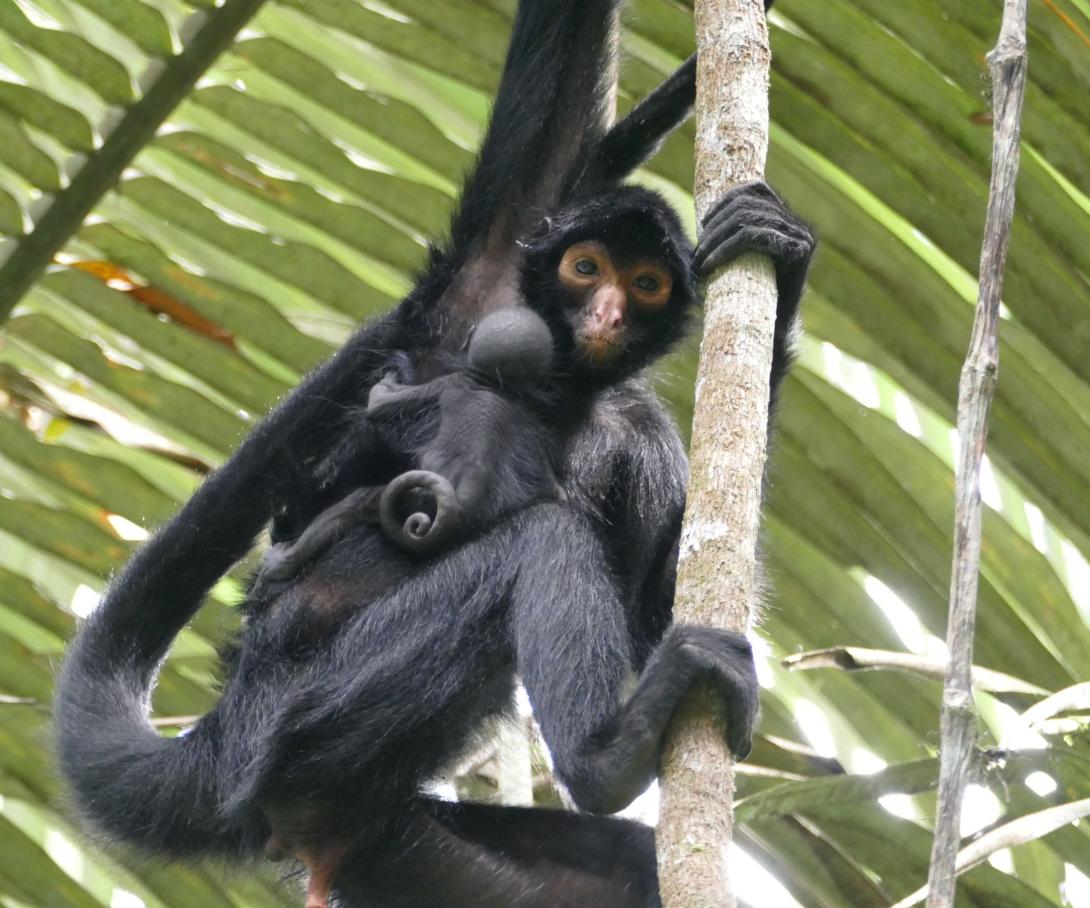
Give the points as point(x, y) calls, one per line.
point(384, 393)
point(726, 658)
point(390, 394)
point(752, 218)
point(614, 762)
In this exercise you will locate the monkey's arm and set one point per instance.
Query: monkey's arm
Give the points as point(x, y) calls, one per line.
point(284, 560)
point(603, 726)
point(390, 394)
point(638, 136)
point(606, 749)
point(553, 103)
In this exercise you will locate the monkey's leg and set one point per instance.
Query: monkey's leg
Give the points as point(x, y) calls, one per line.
point(303, 833)
point(284, 561)
point(361, 734)
point(395, 679)
point(464, 855)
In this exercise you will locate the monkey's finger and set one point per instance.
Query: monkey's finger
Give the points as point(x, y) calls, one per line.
point(736, 676)
point(758, 189)
point(742, 718)
point(739, 222)
point(727, 658)
point(761, 240)
point(752, 212)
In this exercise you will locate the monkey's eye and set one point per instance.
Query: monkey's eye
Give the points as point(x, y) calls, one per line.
point(647, 283)
point(586, 266)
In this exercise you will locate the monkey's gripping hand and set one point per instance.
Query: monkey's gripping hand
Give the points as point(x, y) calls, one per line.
point(752, 218)
point(726, 659)
point(606, 765)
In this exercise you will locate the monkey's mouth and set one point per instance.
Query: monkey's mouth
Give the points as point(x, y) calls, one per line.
point(601, 347)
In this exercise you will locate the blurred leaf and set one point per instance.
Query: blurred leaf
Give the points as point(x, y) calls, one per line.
point(292, 194)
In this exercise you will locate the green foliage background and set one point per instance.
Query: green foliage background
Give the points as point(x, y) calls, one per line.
point(289, 196)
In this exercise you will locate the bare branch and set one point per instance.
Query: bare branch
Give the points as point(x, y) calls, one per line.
point(978, 376)
point(860, 659)
point(1025, 829)
point(173, 721)
point(1075, 697)
point(1066, 725)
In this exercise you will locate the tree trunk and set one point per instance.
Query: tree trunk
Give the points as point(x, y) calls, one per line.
point(717, 563)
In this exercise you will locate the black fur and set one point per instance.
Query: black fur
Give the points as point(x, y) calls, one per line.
point(488, 450)
point(363, 678)
point(625, 147)
point(629, 221)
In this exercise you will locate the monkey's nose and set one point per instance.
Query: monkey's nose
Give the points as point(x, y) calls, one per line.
point(609, 306)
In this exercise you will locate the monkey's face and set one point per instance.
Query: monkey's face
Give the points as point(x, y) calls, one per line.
point(611, 276)
point(612, 299)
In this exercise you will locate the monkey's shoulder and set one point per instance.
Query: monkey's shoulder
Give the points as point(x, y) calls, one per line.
point(630, 416)
point(627, 436)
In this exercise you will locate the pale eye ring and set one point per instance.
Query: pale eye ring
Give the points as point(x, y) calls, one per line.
point(647, 283)
point(586, 266)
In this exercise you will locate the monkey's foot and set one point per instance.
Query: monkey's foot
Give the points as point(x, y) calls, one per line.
point(384, 393)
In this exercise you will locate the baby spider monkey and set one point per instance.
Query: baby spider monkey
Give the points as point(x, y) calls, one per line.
point(488, 451)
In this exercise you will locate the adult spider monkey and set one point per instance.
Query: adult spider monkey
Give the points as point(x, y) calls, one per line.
point(322, 738)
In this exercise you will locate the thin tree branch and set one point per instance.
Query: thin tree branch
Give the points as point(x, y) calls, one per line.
point(1007, 63)
point(1070, 698)
point(1041, 718)
point(1025, 829)
point(860, 659)
point(104, 167)
point(716, 567)
point(1063, 725)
